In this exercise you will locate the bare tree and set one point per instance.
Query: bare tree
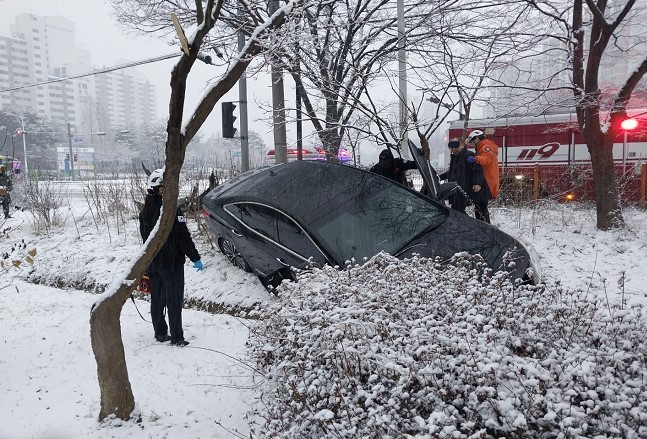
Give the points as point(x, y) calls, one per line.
point(460, 64)
point(597, 36)
point(346, 56)
point(344, 47)
point(593, 123)
point(116, 392)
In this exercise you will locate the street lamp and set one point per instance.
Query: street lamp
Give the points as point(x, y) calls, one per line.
point(626, 125)
point(24, 140)
point(437, 101)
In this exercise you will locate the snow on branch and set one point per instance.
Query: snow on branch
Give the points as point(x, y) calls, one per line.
point(418, 349)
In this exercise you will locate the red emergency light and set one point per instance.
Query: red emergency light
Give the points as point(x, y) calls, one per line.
point(629, 124)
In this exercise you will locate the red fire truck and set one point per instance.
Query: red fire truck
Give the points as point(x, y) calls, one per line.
point(546, 155)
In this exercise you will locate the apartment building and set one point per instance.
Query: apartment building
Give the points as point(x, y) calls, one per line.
point(43, 51)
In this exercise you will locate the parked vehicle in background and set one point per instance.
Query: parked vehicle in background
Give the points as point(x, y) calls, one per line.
point(550, 150)
point(269, 221)
point(308, 153)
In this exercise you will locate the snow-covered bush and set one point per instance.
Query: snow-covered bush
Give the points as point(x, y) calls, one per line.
point(404, 349)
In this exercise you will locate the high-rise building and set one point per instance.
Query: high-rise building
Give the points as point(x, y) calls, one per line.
point(15, 71)
point(40, 50)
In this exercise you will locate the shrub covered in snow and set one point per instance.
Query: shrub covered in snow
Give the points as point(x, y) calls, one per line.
point(404, 349)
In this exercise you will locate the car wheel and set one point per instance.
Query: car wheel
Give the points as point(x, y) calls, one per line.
point(235, 257)
point(272, 281)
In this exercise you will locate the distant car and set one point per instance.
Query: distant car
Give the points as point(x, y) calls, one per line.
point(308, 153)
point(310, 213)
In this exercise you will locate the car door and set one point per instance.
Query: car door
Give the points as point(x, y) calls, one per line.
point(257, 235)
point(295, 247)
point(428, 173)
point(436, 190)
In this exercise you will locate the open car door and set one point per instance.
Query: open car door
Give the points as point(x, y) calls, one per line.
point(435, 190)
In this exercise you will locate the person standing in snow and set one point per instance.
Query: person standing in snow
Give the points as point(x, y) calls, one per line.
point(166, 271)
point(5, 190)
point(469, 177)
point(486, 155)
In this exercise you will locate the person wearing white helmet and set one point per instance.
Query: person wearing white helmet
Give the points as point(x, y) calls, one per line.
point(166, 271)
point(486, 155)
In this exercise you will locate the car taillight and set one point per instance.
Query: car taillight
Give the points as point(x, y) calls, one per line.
point(205, 212)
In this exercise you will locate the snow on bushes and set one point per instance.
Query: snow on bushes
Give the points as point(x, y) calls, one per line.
point(410, 349)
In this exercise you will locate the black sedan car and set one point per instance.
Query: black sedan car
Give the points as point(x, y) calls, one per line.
point(311, 213)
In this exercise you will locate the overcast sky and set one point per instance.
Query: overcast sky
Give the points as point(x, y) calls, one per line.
point(110, 45)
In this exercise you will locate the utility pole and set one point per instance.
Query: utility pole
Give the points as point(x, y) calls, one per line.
point(402, 68)
point(278, 105)
point(24, 146)
point(69, 137)
point(298, 108)
point(242, 98)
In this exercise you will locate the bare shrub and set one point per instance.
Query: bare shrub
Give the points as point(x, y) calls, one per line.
point(108, 202)
point(44, 201)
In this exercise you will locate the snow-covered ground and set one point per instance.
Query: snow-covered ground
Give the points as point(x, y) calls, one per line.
point(48, 382)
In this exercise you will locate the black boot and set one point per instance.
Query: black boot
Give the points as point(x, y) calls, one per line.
point(180, 343)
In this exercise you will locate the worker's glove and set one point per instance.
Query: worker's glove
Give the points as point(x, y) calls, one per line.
point(471, 160)
point(198, 265)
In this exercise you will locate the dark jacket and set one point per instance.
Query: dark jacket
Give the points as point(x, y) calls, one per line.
point(178, 244)
point(5, 181)
point(390, 167)
point(466, 175)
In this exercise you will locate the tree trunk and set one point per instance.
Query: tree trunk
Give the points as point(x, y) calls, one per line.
point(331, 142)
point(607, 198)
point(105, 333)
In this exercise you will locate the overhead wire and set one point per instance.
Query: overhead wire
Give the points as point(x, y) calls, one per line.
point(94, 72)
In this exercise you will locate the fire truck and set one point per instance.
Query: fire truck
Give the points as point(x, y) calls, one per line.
point(546, 156)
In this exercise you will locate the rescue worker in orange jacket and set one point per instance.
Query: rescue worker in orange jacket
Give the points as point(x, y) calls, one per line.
point(486, 155)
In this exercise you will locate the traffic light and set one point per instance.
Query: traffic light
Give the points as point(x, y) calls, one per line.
point(228, 118)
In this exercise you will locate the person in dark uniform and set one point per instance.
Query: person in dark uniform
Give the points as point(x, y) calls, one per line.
point(469, 177)
point(166, 271)
point(6, 185)
point(390, 167)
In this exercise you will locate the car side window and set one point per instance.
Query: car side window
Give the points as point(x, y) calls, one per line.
point(293, 237)
point(257, 217)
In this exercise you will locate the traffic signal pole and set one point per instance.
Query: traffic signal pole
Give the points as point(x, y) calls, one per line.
point(242, 96)
point(278, 104)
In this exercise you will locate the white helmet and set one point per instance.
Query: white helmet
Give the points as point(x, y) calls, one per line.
point(474, 134)
point(156, 178)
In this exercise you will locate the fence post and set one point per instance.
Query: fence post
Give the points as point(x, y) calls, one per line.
point(535, 184)
point(643, 186)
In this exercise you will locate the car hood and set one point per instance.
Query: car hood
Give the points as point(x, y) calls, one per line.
point(461, 233)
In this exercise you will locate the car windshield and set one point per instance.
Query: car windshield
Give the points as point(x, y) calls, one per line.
point(381, 217)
